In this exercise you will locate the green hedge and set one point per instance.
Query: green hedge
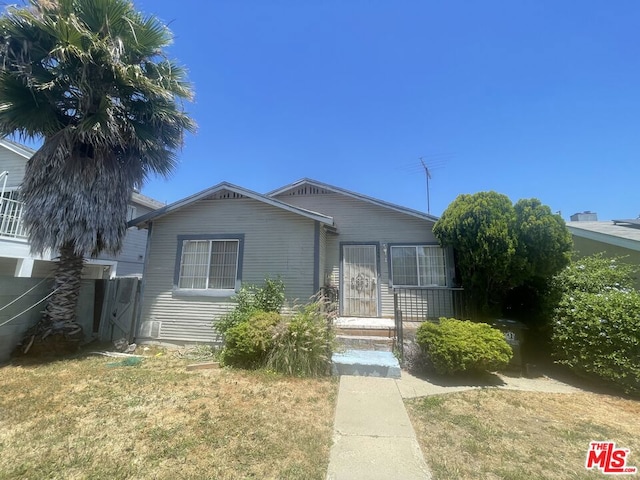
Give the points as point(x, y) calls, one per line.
point(455, 346)
point(598, 335)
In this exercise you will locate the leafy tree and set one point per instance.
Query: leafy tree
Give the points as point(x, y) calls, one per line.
point(544, 243)
point(499, 246)
point(89, 78)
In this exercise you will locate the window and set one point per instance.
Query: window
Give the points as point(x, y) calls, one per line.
point(209, 264)
point(418, 266)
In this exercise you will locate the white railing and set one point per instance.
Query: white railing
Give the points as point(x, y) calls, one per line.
point(11, 219)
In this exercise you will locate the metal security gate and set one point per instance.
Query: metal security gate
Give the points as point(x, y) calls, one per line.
point(359, 280)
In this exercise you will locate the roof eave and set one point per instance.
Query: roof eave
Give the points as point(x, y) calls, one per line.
point(614, 240)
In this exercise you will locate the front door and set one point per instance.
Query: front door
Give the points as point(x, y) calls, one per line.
point(359, 280)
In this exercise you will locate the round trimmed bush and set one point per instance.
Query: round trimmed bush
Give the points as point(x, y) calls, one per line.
point(455, 346)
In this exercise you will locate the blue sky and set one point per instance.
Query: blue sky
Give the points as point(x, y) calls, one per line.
point(535, 98)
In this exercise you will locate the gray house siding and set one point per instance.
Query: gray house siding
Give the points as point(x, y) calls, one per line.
point(359, 221)
point(15, 165)
point(275, 243)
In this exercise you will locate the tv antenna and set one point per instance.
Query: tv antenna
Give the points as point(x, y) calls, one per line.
point(428, 175)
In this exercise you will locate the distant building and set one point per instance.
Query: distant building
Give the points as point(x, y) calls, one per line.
point(616, 238)
point(16, 259)
point(585, 216)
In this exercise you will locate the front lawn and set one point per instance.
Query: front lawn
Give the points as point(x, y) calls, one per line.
point(85, 418)
point(502, 434)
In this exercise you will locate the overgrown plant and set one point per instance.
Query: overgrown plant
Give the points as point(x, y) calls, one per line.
point(455, 346)
point(247, 329)
point(596, 329)
point(257, 335)
point(302, 343)
point(248, 342)
point(251, 299)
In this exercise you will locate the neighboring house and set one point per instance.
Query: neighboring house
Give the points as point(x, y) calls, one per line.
point(15, 256)
point(612, 238)
point(203, 248)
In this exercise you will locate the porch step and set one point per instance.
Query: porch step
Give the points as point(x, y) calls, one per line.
point(365, 363)
point(365, 342)
point(383, 332)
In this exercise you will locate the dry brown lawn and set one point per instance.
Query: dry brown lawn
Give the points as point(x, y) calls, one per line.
point(82, 418)
point(500, 434)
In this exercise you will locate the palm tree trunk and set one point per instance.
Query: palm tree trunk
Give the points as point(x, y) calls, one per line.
point(58, 331)
point(61, 308)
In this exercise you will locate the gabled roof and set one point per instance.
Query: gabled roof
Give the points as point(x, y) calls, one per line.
point(607, 232)
point(324, 186)
point(15, 147)
point(144, 220)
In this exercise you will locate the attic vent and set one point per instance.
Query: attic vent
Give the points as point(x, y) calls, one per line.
point(226, 194)
point(309, 190)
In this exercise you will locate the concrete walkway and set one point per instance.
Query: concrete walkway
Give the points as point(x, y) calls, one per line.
point(373, 436)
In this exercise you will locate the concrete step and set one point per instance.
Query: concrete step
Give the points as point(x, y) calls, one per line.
point(361, 342)
point(365, 363)
point(366, 332)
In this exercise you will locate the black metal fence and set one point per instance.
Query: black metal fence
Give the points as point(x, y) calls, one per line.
point(426, 304)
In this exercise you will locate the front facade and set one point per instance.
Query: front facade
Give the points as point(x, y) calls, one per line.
point(311, 235)
point(16, 259)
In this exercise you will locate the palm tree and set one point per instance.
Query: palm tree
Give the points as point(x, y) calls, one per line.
point(91, 80)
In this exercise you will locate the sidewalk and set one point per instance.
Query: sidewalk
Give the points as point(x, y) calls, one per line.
point(373, 436)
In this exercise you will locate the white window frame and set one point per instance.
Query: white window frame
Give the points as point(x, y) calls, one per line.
point(207, 291)
point(442, 275)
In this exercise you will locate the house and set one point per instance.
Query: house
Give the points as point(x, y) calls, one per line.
point(15, 256)
point(611, 238)
point(202, 248)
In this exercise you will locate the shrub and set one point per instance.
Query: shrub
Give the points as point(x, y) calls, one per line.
point(270, 297)
point(455, 346)
point(249, 300)
point(595, 274)
point(247, 342)
point(598, 335)
point(302, 343)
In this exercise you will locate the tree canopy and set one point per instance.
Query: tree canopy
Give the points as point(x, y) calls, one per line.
point(499, 246)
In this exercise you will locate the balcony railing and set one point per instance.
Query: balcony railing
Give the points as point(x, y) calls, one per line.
point(11, 224)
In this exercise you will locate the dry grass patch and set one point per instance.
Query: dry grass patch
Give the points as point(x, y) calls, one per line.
point(81, 418)
point(500, 434)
